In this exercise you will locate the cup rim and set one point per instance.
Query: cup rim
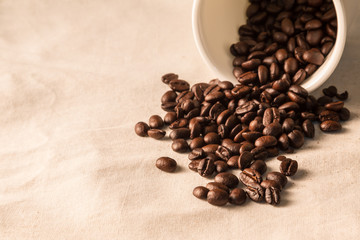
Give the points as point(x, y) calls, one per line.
point(313, 82)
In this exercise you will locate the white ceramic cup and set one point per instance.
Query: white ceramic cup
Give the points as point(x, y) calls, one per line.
point(215, 27)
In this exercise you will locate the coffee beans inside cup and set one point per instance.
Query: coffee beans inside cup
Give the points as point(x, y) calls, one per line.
point(226, 126)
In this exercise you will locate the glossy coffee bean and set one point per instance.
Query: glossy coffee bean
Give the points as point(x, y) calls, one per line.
point(330, 126)
point(156, 133)
point(217, 197)
point(296, 138)
point(216, 185)
point(277, 177)
point(228, 179)
point(180, 133)
point(344, 114)
point(245, 160)
point(249, 175)
point(206, 167)
point(266, 141)
point(314, 56)
point(168, 77)
point(166, 164)
point(179, 85)
point(200, 192)
point(329, 115)
point(259, 166)
point(197, 143)
point(255, 192)
point(141, 129)
point(272, 195)
point(170, 117)
point(196, 153)
point(237, 196)
point(156, 121)
point(288, 167)
point(221, 166)
point(308, 128)
point(335, 106)
point(180, 145)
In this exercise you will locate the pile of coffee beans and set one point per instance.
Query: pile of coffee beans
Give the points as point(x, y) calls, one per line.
point(283, 36)
point(226, 126)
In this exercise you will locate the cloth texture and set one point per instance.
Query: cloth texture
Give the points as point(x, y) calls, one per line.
point(76, 76)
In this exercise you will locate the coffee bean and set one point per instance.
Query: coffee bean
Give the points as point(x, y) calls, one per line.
point(210, 148)
point(255, 192)
point(237, 196)
point(281, 158)
point(206, 167)
point(247, 78)
point(324, 100)
point(217, 185)
point(166, 164)
point(270, 184)
point(277, 177)
point(343, 96)
point(288, 167)
point(273, 129)
point(296, 138)
point(221, 166)
point(180, 145)
point(280, 37)
point(200, 192)
point(313, 56)
point(169, 96)
point(259, 153)
point(259, 166)
point(274, 71)
point(168, 77)
point(287, 26)
point(299, 77)
point(335, 106)
point(313, 37)
point(180, 133)
point(330, 126)
point(272, 48)
point(283, 141)
point(156, 133)
point(212, 138)
point(313, 24)
point(179, 85)
point(169, 106)
point(281, 55)
point(223, 153)
point(228, 179)
point(272, 195)
point(266, 141)
point(291, 65)
point(141, 129)
point(308, 128)
point(329, 115)
point(170, 117)
point(249, 175)
point(217, 197)
point(193, 165)
point(288, 125)
point(232, 162)
point(245, 160)
point(251, 64)
point(344, 114)
point(196, 153)
point(308, 115)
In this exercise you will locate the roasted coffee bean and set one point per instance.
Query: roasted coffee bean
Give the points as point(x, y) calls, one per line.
point(296, 138)
point(273, 129)
point(324, 100)
point(217, 185)
point(206, 167)
point(281, 55)
point(308, 128)
point(282, 84)
point(288, 125)
point(217, 197)
point(215, 110)
point(245, 160)
point(180, 145)
point(169, 106)
point(291, 65)
point(273, 151)
point(238, 71)
point(280, 37)
point(270, 183)
point(331, 91)
point(231, 145)
point(223, 116)
point(330, 126)
point(156, 133)
point(212, 138)
point(329, 115)
point(344, 114)
point(141, 129)
point(247, 78)
point(255, 192)
point(259, 153)
point(196, 154)
point(237, 196)
point(272, 195)
point(271, 115)
point(180, 133)
point(251, 64)
point(193, 165)
point(313, 56)
point(251, 136)
point(313, 24)
point(281, 158)
point(335, 106)
point(179, 85)
point(214, 96)
point(170, 117)
point(256, 125)
point(223, 153)
point(210, 148)
point(249, 175)
point(326, 48)
point(299, 77)
point(221, 166)
point(228, 179)
point(288, 167)
point(166, 164)
point(309, 115)
point(289, 106)
point(179, 123)
point(287, 26)
point(241, 48)
point(169, 96)
point(184, 95)
point(313, 37)
point(277, 177)
point(283, 142)
point(271, 49)
point(274, 71)
point(259, 166)
point(266, 141)
point(263, 74)
point(156, 121)
point(343, 96)
point(168, 77)
point(223, 131)
point(232, 162)
point(200, 192)
point(195, 131)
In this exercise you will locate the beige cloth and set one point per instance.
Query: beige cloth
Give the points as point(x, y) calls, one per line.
point(75, 77)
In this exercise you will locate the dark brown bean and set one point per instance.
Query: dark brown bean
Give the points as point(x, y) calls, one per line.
point(288, 167)
point(168, 77)
point(156, 133)
point(170, 117)
point(228, 179)
point(308, 128)
point(141, 129)
point(221, 166)
point(249, 175)
point(237, 196)
point(266, 141)
point(330, 126)
point(200, 192)
point(166, 164)
point(259, 166)
point(179, 85)
point(180, 145)
point(314, 56)
point(217, 197)
point(277, 177)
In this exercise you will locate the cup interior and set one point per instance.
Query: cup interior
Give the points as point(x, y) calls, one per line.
point(215, 28)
